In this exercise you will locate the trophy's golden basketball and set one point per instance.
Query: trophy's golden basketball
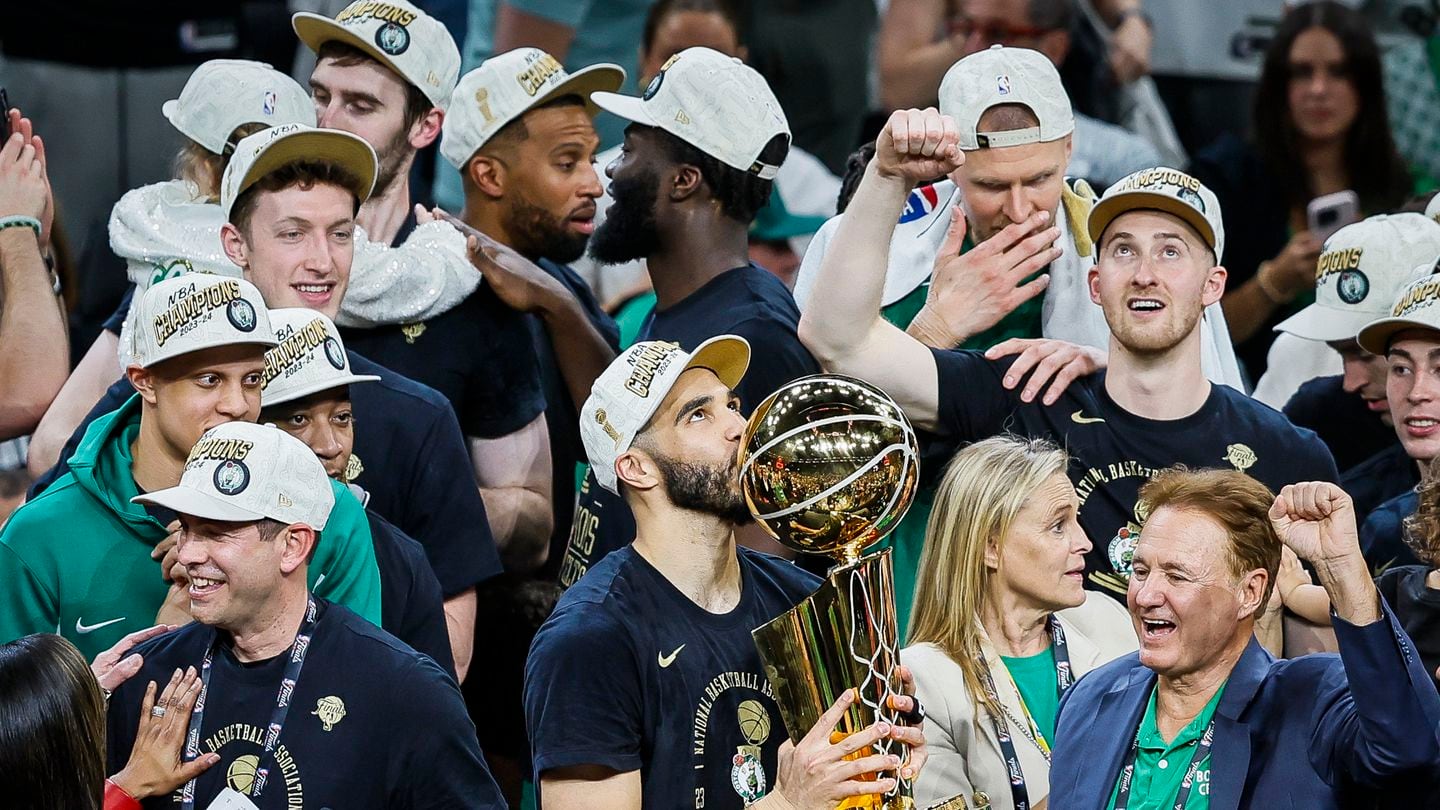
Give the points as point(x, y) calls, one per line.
point(829, 464)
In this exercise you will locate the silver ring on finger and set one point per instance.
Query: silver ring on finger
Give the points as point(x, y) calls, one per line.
point(157, 711)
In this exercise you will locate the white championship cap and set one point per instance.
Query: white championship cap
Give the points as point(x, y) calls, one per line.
point(630, 390)
point(259, 154)
point(1432, 208)
point(1416, 306)
point(401, 36)
point(243, 472)
point(197, 311)
point(1001, 75)
point(310, 357)
point(1361, 268)
point(1160, 189)
point(714, 102)
point(223, 94)
point(504, 87)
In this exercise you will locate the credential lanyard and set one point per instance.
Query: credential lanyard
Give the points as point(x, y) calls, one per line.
point(1063, 679)
point(1127, 774)
point(277, 717)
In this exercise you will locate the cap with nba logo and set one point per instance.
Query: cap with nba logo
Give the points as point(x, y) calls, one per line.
point(309, 357)
point(196, 311)
point(401, 36)
point(263, 152)
point(715, 103)
point(242, 472)
point(1001, 75)
point(1360, 270)
point(630, 390)
point(504, 87)
point(1168, 190)
point(223, 94)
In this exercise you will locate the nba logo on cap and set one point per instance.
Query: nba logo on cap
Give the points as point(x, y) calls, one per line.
point(1002, 85)
point(268, 105)
point(920, 202)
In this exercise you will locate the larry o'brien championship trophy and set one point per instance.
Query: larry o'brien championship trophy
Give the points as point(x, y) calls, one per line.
point(828, 465)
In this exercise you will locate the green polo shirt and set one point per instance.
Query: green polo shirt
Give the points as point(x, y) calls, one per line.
point(1034, 676)
point(1160, 768)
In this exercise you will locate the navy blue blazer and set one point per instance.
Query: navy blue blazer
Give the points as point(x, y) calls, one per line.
point(1288, 733)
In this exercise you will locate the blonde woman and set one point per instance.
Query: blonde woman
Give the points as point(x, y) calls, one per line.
point(1002, 624)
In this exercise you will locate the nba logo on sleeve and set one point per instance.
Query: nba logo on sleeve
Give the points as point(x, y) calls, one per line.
point(920, 202)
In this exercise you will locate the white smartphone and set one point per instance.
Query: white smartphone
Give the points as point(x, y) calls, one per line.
point(1330, 213)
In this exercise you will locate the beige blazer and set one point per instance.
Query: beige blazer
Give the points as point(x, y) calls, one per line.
point(964, 755)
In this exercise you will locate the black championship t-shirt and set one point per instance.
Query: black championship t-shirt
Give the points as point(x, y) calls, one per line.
point(411, 606)
point(408, 455)
point(629, 674)
point(1417, 608)
point(1352, 431)
point(372, 723)
point(1113, 452)
point(747, 301)
point(562, 420)
point(479, 355)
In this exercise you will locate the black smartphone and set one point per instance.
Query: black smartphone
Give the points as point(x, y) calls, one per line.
point(4, 115)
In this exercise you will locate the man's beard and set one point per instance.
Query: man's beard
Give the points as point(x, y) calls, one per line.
point(629, 231)
point(392, 161)
point(700, 488)
point(537, 233)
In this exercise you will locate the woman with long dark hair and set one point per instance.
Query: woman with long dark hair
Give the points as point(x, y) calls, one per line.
point(1319, 126)
point(52, 728)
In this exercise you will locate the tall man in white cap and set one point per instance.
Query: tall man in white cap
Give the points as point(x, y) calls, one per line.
point(307, 394)
point(706, 140)
point(1362, 267)
point(965, 271)
point(77, 559)
point(1159, 243)
point(1409, 340)
point(644, 687)
point(306, 703)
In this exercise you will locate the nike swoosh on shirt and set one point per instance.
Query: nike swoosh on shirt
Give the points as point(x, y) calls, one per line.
point(1079, 418)
point(667, 660)
point(82, 628)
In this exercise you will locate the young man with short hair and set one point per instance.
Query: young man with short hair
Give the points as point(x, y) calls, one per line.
point(1159, 241)
point(307, 394)
point(78, 559)
point(305, 703)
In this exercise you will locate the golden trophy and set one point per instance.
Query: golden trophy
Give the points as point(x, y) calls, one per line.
point(829, 464)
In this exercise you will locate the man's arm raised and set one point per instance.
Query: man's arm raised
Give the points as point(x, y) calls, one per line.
point(841, 325)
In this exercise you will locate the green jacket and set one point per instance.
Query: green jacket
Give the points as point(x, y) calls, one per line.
point(76, 560)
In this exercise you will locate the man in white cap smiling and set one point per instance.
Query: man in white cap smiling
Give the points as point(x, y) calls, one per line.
point(307, 394)
point(705, 142)
point(636, 685)
point(1159, 241)
point(78, 558)
point(299, 695)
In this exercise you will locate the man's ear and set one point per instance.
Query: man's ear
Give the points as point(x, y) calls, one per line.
point(235, 246)
point(488, 174)
point(1092, 279)
point(1055, 45)
point(1252, 593)
point(686, 182)
point(424, 131)
point(143, 381)
point(298, 540)
point(1214, 285)
point(637, 470)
